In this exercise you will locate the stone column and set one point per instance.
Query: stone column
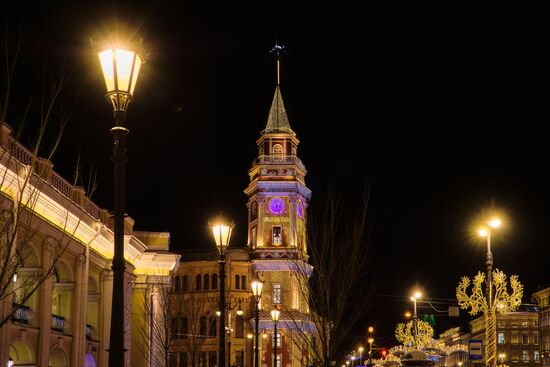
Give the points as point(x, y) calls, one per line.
point(78, 306)
point(44, 312)
point(106, 289)
point(260, 235)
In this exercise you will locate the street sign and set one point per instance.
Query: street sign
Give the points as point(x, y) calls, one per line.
point(474, 348)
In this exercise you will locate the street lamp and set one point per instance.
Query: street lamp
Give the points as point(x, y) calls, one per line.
point(229, 329)
point(360, 349)
point(486, 232)
point(501, 356)
point(416, 296)
point(257, 287)
point(275, 313)
point(120, 65)
point(222, 236)
point(370, 340)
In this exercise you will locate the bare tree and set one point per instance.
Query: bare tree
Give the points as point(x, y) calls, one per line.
point(23, 178)
point(332, 281)
point(156, 311)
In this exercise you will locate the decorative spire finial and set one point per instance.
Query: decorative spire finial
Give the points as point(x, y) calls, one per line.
point(277, 49)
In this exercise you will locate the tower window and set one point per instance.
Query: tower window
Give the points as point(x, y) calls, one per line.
point(185, 283)
point(206, 281)
point(276, 293)
point(277, 238)
point(278, 150)
point(243, 282)
point(198, 282)
point(214, 281)
point(237, 281)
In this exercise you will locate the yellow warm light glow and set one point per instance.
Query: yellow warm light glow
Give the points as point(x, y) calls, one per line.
point(360, 349)
point(222, 233)
point(257, 287)
point(483, 232)
point(249, 336)
point(120, 69)
point(408, 314)
point(275, 315)
point(370, 340)
point(495, 222)
point(370, 329)
point(218, 313)
point(417, 295)
point(264, 336)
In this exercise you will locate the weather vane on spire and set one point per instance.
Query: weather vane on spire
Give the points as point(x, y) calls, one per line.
point(277, 49)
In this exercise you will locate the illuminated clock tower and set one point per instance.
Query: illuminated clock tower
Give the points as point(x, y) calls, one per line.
point(277, 210)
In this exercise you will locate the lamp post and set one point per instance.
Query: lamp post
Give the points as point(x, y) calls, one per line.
point(490, 316)
point(370, 340)
point(360, 349)
point(257, 287)
point(275, 313)
point(222, 236)
point(416, 296)
point(120, 67)
point(229, 329)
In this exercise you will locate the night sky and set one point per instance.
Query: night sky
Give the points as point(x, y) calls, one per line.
point(437, 110)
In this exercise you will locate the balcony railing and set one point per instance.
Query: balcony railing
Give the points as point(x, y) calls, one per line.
point(58, 323)
point(21, 314)
point(288, 159)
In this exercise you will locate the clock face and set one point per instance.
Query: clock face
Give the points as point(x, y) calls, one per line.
point(276, 205)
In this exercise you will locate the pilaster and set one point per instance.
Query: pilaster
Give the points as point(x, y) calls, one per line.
point(44, 312)
point(106, 289)
point(78, 308)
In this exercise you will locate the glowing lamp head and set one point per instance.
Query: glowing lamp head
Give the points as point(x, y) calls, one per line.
point(459, 364)
point(347, 363)
point(249, 336)
point(407, 314)
point(370, 340)
point(218, 313)
point(417, 295)
point(360, 349)
point(275, 313)
point(240, 311)
point(257, 287)
point(222, 234)
point(264, 336)
point(483, 232)
point(120, 64)
point(370, 329)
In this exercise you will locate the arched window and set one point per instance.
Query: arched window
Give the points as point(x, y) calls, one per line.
point(243, 282)
point(212, 331)
point(237, 281)
point(214, 281)
point(198, 282)
point(184, 327)
point(177, 283)
point(202, 329)
point(277, 150)
point(185, 283)
point(174, 328)
point(206, 282)
point(239, 327)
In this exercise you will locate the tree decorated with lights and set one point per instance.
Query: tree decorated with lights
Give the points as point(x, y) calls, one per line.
point(406, 335)
point(495, 299)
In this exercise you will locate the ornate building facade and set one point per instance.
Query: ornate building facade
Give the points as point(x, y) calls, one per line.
point(57, 284)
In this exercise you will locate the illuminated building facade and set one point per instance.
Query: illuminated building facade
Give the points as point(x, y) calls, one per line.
point(517, 336)
point(66, 320)
point(543, 299)
point(194, 323)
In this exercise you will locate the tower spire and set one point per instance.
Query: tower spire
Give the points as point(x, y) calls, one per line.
point(277, 49)
point(277, 122)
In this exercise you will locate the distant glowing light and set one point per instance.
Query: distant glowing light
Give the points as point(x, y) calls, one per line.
point(495, 223)
point(483, 232)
